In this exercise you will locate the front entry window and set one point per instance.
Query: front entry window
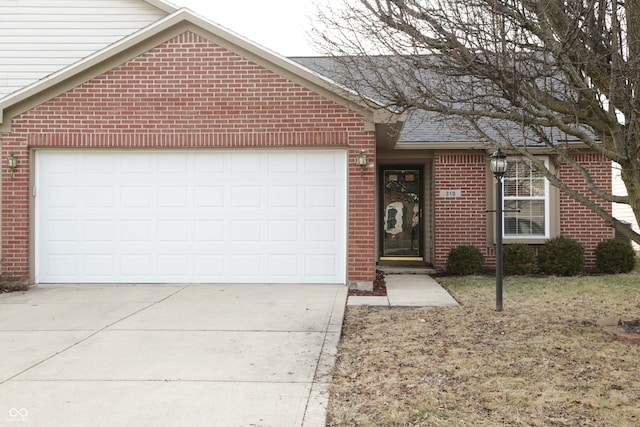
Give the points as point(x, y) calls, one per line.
point(401, 213)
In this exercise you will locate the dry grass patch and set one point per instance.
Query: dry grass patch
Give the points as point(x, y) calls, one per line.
point(542, 362)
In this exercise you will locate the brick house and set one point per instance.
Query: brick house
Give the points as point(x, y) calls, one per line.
point(183, 153)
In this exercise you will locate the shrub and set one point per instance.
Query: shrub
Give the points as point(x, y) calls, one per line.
point(465, 260)
point(518, 259)
point(561, 256)
point(615, 256)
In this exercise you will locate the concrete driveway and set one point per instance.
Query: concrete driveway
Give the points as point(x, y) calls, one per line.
point(143, 355)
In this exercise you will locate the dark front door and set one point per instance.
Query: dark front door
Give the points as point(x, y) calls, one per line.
point(401, 200)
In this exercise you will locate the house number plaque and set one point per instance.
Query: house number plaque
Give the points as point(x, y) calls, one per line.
point(450, 193)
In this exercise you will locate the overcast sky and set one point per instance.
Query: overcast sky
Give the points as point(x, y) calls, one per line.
point(280, 25)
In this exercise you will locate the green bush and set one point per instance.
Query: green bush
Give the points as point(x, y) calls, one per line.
point(615, 256)
point(561, 256)
point(465, 260)
point(518, 259)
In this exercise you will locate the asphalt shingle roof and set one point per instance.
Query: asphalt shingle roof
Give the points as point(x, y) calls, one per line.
point(425, 127)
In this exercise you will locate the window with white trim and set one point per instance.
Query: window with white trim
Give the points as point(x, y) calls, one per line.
point(526, 191)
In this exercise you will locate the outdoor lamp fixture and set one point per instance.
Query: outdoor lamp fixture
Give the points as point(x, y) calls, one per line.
point(12, 163)
point(499, 164)
point(498, 167)
point(361, 160)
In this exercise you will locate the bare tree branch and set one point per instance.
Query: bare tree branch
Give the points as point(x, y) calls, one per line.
point(569, 68)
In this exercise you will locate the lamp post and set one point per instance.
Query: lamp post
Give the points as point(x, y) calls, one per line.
point(498, 168)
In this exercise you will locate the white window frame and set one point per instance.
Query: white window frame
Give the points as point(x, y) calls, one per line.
point(547, 209)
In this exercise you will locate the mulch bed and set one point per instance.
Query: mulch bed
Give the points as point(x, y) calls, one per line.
point(379, 287)
point(7, 286)
point(631, 326)
point(624, 330)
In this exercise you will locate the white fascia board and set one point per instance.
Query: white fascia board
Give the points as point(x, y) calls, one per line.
point(475, 145)
point(458, 145)
point(163, 5)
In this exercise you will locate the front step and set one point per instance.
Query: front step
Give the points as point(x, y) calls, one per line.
point(388, 269)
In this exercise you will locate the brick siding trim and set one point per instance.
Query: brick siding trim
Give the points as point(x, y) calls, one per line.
point(191, 140)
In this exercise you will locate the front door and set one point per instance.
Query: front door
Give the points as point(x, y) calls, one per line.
point(401, 234)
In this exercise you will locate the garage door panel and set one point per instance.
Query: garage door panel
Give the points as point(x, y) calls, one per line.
point(286, 161)
point(97, 196)
point(104, 164)
point(320, 196)
point(98, 231)
point(173, 231)
point(173, 266)
point(62, 231)
point(320, 265)
point(320, 231)
point(209, 265)
point(98, 267)
point(249, 163)
point(173, 196)
point(62, 265)
point(61, 164)
point(320, 162)
point(62, 196)
point(283, 266)
point(283, 231)
point(135, 230)
point(209, 196)
point(245, 231)
point(134, 267)
point(283, 197)
point(246, 265)
point(172, 162)
point(191, 216)
point(246, 196)
point(209, 165)
point(208, 230)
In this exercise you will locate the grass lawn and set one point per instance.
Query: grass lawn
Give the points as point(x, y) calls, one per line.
point(542, 362)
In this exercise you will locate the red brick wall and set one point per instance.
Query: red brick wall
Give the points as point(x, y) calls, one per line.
point(188, 92)
point(578, 222)
point(459, 220)
point(463, 220)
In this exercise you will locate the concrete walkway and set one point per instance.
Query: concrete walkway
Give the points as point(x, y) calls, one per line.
point(208, 355)
point(412, 290)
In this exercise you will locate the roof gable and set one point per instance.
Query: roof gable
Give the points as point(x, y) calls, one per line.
point(162, 30)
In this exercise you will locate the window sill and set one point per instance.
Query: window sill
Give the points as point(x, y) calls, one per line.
point(525, 240)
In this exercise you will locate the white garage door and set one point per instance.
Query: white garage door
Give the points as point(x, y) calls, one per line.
point(190, 216)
